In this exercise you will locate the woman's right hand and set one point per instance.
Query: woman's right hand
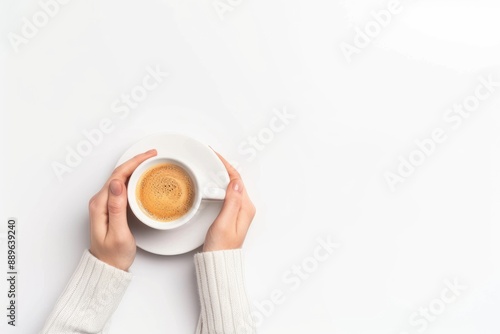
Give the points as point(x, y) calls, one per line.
point(229, 229)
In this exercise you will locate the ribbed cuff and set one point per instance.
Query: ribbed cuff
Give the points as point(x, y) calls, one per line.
point(89, 299)
point(224, 302)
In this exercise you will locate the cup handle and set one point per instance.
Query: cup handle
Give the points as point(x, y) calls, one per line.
point(213, 194)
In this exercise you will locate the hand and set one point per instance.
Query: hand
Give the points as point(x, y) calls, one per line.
point(110, 238)
point(229, 229)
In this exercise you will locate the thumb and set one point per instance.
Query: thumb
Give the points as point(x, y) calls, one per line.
point(232, 204)
point(117, 205)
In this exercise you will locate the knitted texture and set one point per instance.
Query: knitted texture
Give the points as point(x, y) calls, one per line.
point(90, 298)
point(224, 302)
point(96, 288)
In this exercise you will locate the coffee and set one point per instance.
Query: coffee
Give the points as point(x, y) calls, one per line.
point(165, 192)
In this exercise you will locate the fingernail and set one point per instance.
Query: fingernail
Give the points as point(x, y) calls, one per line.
point(116, 187)
point(238, 186)
point(151, 151)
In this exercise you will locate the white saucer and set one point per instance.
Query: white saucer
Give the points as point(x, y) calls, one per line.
point(211, 170)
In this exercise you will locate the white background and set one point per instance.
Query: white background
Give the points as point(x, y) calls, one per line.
point(322, 175)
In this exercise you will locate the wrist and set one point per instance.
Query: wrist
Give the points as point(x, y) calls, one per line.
point(121, 264)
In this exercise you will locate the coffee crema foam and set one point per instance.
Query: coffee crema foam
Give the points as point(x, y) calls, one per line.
point(165, 192)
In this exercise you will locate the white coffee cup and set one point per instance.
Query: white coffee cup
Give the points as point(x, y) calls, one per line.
point(201, 191)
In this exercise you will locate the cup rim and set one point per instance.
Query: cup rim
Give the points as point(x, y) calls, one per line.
point(135, 206)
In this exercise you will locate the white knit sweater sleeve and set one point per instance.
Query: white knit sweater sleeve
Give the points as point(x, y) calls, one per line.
point(96, 288)
point(89, 299)
point(224, 303)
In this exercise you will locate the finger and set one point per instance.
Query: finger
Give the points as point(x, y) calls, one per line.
point(233, 173)
point(117, 207)
point(247, 210)
point(98, 216)
point(232, 205)
point(126, 169)
point(246, 214)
